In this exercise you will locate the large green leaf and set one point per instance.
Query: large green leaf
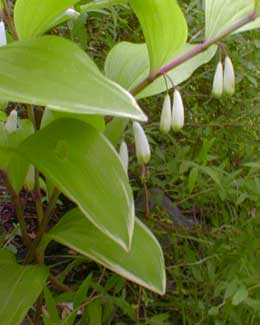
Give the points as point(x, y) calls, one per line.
point(100, 4)
point(143, 264)
point(128, 65)
point(222, 13)
point(50, 115)
point(34, 17)
point(83, 164)
point(19, 288)
point(52, 71)
point(164, 27)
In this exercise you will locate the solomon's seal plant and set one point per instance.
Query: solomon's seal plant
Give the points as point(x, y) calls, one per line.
point(64, 144)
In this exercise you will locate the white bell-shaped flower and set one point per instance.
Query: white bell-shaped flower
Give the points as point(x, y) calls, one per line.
point(166, 115)
point(72, 13)
point(177, 112)
point(142, 146)
point(124, 156)
point(30, 179)
point(12, 122)
point(217, 88)
point(229, 77)
point(3, 40)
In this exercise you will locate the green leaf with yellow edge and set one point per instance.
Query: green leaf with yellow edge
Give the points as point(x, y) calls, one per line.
point(51, 71)
point(83, 164)
point(143, 264)
point(34, 17)
point(128, 65)
point(220, 14)
point(20, 286)
point(97, 121)
point(164, 28)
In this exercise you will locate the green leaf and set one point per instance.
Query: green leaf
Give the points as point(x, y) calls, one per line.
point(253, 25)
point(115, 129)
point(51, 71)
point(94, 311)
point(97, 121)
point(240, 296)
point(128, 64)
point(257, 6)
point(213, 311)
point(100, 4)
point(53, 314)
point(164, 27)
point(222, 13)
point(19, 288)
point(143, 264)
point(83, 164)
point(193, 176)
point(35, 17)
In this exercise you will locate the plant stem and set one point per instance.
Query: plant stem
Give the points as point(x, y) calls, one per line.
point(18, 206)
point(146, 192)
point(38, 197)
point(9, 19)
point(58, 285)
point(46, 218)
point(31, 116)
point(138, 307)
point(193, 52)
point(38, 311)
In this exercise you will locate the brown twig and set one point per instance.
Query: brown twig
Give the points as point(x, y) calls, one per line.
point(146, 192)
point(138, 307)
point(46, 218)
point(18, 207)
point(9, 19)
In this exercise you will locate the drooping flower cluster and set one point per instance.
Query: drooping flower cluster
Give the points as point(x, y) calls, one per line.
point(224, 79)
point(3, 40)
point(72, 13)
point(142, 147)
point(11, 124)
point(172, 115)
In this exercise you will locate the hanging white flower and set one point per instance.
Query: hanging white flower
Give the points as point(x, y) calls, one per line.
point(229, 77)
point(217, 88)
point(166, 115)
point(30, 179)
point(3, 40)
point(142, 146)
point(12, 122)
point(72, 13)
point(124, 156)
point(177, 112)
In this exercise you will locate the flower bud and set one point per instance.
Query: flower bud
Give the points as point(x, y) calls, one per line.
point(165, 123)
point(30, 179)
point(3, 40)
point(123, 154)
point(229, 77)
point(177, 112)
point(72, 13)
point(217, 88)
point(12, 122)
point(142, 147)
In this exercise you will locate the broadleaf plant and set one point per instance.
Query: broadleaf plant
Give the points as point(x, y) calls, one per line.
point(59, 140)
